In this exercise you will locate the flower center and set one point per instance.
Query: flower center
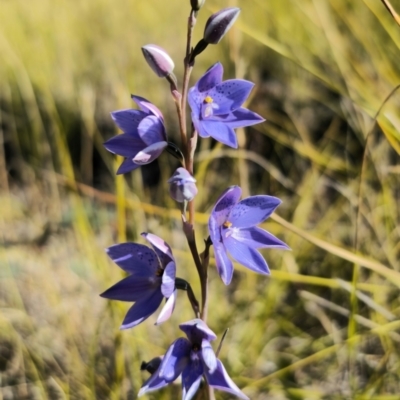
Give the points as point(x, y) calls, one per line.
point(208, 107)
point(159, 272)
point(227, 224)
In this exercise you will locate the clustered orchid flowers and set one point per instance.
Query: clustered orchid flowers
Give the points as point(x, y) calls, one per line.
point(216, 110)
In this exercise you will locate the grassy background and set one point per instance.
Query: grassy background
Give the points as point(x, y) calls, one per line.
point(325, 325)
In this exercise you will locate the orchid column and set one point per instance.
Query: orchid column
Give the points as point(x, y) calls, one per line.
point(216, 110)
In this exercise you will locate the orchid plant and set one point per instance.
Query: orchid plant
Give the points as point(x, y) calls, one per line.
point(216, 110)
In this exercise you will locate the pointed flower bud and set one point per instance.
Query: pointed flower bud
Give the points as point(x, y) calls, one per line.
point(158, 59)
point(182, 186)
point(197, 4)
point(220, 23)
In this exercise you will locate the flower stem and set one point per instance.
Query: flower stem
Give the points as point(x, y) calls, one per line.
point(186, 76)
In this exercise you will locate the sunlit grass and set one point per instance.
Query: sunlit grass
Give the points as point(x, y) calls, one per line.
point(326, 323)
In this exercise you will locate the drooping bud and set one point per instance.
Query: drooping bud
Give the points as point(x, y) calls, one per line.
point(158, 59)
point(220, 23)
point(197, 4)
point(182, 186)
point(152, 365)
point(216, 27)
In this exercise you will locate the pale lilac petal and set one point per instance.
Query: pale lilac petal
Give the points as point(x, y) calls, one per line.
point(131, 288)
point(161, 247)
point(191, 379)
point(239, 118)
point(168, 279)
point(253, 210)
point(199, 127)
point(211, 78)
point(124, 145)
point(128, 120)
point(142, 309)
point(146, 106)
point(225, 203)
point(134, 258)
point(175, 359)
point(168, 308)
point(230, 95)
point(224, 264)
point(220, 132)
point(246, 256)
point(208, 355)
point(257, 238)
point(220, 380)
point(150, 153)
point(151, 130)
point(197, 330)
point(155, 382)
point(127, 166)
point(214, 230)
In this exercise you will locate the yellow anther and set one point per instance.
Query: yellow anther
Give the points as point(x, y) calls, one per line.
point(227, 224)
point(208, 99)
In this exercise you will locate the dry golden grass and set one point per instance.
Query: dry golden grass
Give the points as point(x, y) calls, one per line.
point(325, 325)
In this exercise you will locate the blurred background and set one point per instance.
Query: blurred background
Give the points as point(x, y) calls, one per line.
point(325, 325)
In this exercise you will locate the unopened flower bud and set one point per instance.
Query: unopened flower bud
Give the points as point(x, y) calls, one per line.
point(197, 4)
point(152, 365)
point(219, 23)
point(158, 59)
point(182, 186)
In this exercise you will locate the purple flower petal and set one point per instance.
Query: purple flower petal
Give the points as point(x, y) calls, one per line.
point(224, 264)
point(168, 308)
point(128, 120)
point(160, 247)
point(220, 380)
point(229, 95)
point(151, 130)
point(253, 210)
point(208, 356)
point(191, 378)
point(132, 288)
point(246, 256)
point(134, 258)
point(175, 359)
point(146, 106)
point(155, 382)
point(221, 132)
point(150, 153)
point(197, 330)
point(142, 309)
point(195, 99)
point(211, 78)
point(225, 203)
point(127, 166)
point(124, 145)
point(257, 238)
point(240, 118)
point(168, 279)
